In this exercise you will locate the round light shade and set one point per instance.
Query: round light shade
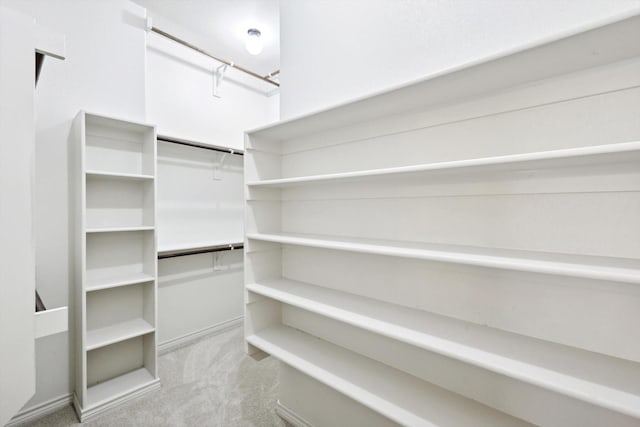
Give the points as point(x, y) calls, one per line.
point(253, 43)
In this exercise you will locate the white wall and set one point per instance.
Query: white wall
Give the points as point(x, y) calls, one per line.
point(193, 209)
point(335, 51)
point(180, 88)
point(103, 72)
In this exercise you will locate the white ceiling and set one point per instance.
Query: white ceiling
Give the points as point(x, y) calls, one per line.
point(223, 24)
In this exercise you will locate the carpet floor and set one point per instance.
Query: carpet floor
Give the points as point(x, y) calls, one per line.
point(208, 383)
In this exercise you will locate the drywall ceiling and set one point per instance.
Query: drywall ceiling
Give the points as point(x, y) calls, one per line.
point(220, 27)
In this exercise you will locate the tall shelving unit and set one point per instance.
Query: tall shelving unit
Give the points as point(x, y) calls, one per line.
point(462, 250)
point(116, 265)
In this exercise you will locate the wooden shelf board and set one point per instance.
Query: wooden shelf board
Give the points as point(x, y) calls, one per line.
point(116, 333)
point(580, 374)
point(118, 229)
point(118, 175)
point(626, 152)
point(113, 388)
point(117, 281)
point(588, 267)
point(581, 48)
point(396, 395)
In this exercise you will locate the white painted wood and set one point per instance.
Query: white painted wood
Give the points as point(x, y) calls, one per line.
point(536, 405)
point(107, 390)
point(398, 396)
point(117, 332)
point(116, 350)
point(17, 251)
point(290, 416)
point(191, 337)
point(114, 282)
point(517, 66)
point(115, 175)
point(596, 268)
point(41, 410)
point(591, 377)
point(52, 321)
point(568, 158)
point(476, 230)
point(335, 409)
point(116, 229)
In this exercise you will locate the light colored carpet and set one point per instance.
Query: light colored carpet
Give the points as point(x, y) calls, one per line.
point(209, 383)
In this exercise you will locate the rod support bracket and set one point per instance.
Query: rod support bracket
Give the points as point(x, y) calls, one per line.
point(218, 265)
point(217, 168)
point(218, 77)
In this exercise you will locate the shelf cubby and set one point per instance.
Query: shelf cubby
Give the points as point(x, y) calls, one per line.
point(113, 255)
point(118, 146)
point(120, 313)
point(119, 202)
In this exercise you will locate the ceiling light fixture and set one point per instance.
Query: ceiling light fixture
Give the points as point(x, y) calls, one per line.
point(253, 43)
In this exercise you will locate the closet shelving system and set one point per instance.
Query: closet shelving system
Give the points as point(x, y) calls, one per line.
point(462, 250)
point(116, 266)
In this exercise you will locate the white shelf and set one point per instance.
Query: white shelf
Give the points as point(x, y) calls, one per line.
point(533, 361)
point(118, 386)
point(119, 229)
point(116, 175)
point(115, 333)
point(394, 394)
point(52, 321)
point(617, 154)
point(564, 53)
point(588, 267)
point(117, 281)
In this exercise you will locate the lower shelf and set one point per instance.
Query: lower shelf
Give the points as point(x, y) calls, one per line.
point(396, 395)
point(119, 386)
point(49, 322)
point(119, 332)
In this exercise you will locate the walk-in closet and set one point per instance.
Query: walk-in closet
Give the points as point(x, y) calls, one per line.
point(358, 213)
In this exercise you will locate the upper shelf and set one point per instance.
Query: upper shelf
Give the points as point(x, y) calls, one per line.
point(600, 43)
point(119, 176)
point(620, 153)
point(584, 266)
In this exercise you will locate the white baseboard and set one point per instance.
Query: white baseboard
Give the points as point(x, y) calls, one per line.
point(175, 343)
point(290, 416)
point(40, 410)
point(86, 414)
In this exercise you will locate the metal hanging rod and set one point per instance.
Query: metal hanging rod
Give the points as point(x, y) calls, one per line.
point(204, 52)
point(201, 250)
point(179, 141)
